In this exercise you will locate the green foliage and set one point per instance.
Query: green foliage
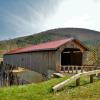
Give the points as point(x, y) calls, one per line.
point(37, 39)
point(93, 56)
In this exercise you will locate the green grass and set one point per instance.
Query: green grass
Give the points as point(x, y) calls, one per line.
point(85, 91)
point(39, 91)
point(43, 91)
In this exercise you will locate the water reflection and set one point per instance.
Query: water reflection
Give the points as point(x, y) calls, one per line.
point(28, 76)
point(19, 76)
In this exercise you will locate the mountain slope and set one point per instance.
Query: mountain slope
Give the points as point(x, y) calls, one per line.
point(89, 36)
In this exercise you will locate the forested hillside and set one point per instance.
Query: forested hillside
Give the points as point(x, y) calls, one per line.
point(90, 38)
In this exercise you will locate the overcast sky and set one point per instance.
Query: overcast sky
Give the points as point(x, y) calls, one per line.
point(25, 17)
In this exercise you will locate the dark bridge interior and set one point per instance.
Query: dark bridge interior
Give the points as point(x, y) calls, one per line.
point(71, 56)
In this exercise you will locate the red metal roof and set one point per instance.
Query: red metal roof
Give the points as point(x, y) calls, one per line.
point(53, 45)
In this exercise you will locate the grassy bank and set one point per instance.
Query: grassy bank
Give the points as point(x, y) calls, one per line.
point(43, 91)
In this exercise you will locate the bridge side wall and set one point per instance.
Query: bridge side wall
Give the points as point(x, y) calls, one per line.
point(38, 61)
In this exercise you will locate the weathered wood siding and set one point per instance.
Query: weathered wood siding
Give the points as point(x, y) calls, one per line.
point(37, 61)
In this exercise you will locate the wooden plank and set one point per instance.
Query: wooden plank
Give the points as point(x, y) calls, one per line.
point(90, 73)
point(58, 75)
point(66, 82)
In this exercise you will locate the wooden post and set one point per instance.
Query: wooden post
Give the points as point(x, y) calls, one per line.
point(76, 69)
point(68, 69)
point(91, 78)
point(78, 82)
point(64, 68)
point(72, 69)
point(81, 69)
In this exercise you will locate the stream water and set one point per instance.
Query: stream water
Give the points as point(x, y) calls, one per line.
point(24, 77)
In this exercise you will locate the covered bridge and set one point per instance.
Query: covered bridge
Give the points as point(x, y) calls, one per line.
point(47, 57)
